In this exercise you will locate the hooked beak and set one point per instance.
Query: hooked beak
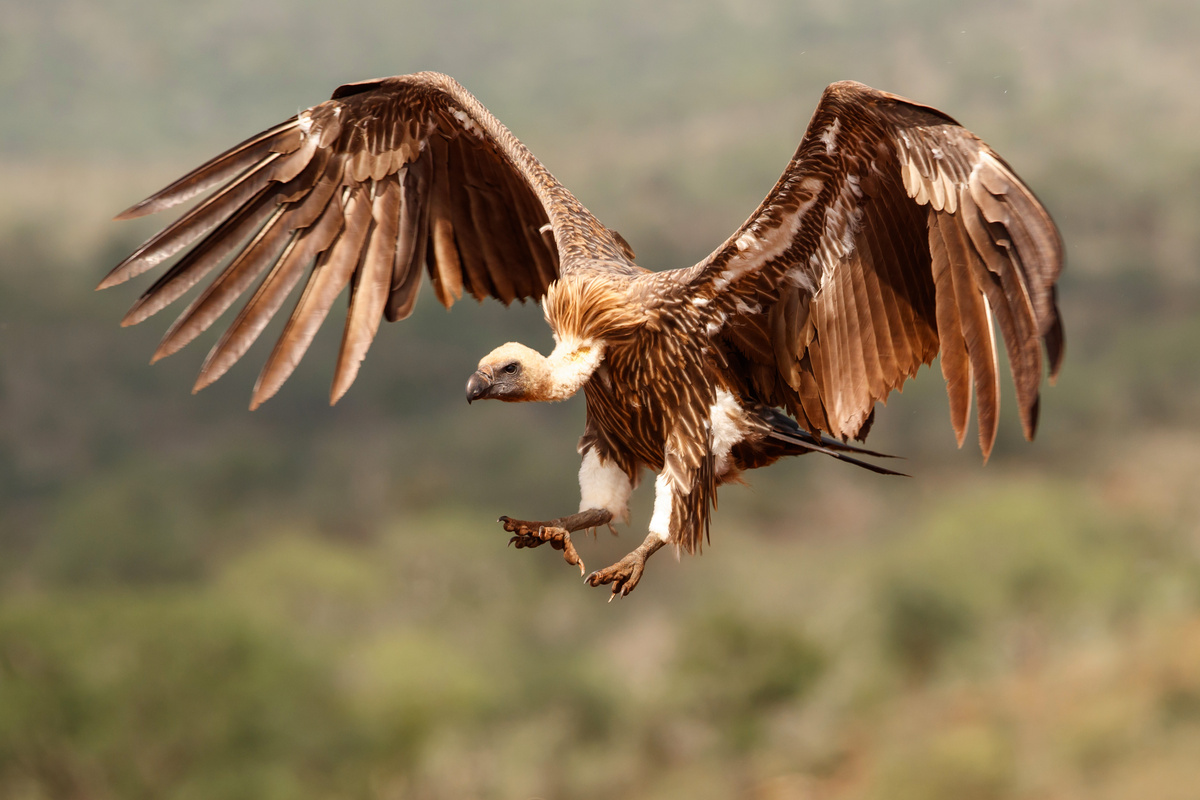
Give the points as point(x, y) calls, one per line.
point(477, 386)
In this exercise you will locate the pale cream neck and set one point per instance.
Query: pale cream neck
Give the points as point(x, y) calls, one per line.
point(570, 366)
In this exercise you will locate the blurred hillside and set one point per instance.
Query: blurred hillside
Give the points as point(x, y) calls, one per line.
point(196, 601)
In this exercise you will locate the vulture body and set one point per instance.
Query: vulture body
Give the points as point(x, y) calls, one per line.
point(893, 236)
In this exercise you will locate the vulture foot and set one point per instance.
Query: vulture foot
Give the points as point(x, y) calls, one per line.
point(557, 532)
point(524, 535)
point(625, 574)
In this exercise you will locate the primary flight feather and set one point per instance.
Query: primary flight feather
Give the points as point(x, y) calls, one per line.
point(894, 235)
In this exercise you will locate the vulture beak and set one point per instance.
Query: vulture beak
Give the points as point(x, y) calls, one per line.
point(478, 386)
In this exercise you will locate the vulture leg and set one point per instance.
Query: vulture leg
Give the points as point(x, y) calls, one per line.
point(557, 532)
point(625, 574)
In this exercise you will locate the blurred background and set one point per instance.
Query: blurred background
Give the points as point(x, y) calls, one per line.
point(306, 602)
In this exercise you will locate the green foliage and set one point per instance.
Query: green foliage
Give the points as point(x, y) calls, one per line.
point(1012, 554)
point(122, 531)
point(970, 762)
point(739, 669)
point(161, 695)
point(921, 622)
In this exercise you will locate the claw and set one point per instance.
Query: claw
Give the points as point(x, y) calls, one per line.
point(557, 532)
point(625, 574)
point(524, 536)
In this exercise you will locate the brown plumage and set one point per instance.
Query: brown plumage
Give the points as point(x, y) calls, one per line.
point(893, 235)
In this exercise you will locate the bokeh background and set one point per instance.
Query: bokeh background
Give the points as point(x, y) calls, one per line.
point(305, 602)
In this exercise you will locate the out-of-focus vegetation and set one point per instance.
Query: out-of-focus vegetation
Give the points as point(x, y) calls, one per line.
point(197, 602)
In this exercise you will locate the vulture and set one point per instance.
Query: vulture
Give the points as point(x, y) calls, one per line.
point(893, 236)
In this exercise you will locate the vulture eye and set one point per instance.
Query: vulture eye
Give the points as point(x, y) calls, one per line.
point(510, 368)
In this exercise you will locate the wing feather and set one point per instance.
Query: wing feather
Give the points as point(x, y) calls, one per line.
point(274, 289)
point(496, 251)
point(841, 317)
point(194, 224)
point(413, 244)
point(487, 190)
point(330, 276)
point(372, 283)
point(262, 251)
point(956, 364)
point(905, 235)
point(415, 158)
point(282, 139)
point(868, 338)
point(974, 320)
point(445, 267)
point(884, 352)
point(883, 253)
point(1014, 312)
point(470, 230)
point(216, 247)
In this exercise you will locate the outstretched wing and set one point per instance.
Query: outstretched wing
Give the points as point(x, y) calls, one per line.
point(362, 190)
point(894, 234)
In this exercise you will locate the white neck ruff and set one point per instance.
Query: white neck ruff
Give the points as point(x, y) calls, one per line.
point(571, 364)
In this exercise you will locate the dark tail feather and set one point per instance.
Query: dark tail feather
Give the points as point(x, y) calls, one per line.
point(785, 430)
point(805, 441)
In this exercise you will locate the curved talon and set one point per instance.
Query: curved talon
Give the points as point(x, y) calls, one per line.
point(557, 532)
point(523, 542)
point(625, 574)
point(558, 538)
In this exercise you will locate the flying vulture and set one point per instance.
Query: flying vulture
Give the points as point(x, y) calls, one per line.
point(893, 236)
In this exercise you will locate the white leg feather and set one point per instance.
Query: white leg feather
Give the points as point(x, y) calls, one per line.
point(602, 484)
point(664, 499)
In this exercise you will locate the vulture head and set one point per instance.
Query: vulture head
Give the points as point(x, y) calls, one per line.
point(512, 372)
point(516, 373)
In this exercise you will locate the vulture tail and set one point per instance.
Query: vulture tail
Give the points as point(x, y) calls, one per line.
point(793, 440)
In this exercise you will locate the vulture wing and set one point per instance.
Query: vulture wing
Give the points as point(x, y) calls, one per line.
point(894, 234)
point(362, 190)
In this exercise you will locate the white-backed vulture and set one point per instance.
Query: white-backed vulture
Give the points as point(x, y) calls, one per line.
point(893, 235)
